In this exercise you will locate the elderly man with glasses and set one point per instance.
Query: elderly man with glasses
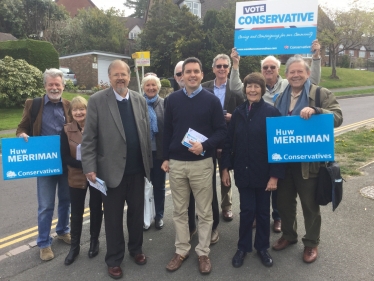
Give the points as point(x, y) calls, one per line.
point(230, 99)
point(275, 85)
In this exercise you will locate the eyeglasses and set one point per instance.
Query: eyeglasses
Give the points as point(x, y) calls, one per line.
point(266, 67)
point(225, 66)
point(179, 74)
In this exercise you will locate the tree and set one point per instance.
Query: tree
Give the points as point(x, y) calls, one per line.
point(344, 30)
point(140, 7)
point(27, 18)
point(91, 29)
point(171, 34)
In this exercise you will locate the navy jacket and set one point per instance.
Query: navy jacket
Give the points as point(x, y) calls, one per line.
point(251, 167)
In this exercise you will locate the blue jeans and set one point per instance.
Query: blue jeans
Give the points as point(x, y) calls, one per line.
point(158, 177)
point(46, 187)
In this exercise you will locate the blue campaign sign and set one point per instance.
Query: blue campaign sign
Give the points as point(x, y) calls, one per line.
point(293, 139)
point(38, 157)
point(270, 27)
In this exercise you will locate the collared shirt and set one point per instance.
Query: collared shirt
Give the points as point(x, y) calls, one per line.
point(194, 93)
point(53, 117)
point(294, 98)
point(119, 97)
point(220, 92)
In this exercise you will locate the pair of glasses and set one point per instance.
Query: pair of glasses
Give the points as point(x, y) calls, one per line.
point(179, 74)
point(266, 67)
point(225, 66)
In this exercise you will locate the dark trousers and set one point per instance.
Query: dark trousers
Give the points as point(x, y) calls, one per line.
point(275, 213)
point(158, 177)
point(254, 201)
point(215, 208)
point(77, 198)
point(288, 189)
point(131, 190)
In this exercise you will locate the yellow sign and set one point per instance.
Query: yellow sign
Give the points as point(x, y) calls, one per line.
point(141, 55)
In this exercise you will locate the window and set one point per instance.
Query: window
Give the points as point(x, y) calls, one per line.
point(327, 51)
point(194, 7)
point(362, 52)
point(133, 35)
point(352, 53)
point(372, 54)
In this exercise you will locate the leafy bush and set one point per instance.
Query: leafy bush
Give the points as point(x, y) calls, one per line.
point(165, 83)
point(345, 61)
point(19, 81)
point(100, 87)
point(69, 86)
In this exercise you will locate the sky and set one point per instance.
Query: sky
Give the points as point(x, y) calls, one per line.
point(332, 4)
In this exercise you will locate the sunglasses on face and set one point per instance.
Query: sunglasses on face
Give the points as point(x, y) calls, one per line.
point(266, 67)
point(225, 66)
point(179, 74)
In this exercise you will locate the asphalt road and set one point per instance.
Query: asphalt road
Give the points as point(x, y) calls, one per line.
point(345, 250)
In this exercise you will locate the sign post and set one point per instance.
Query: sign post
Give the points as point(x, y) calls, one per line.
point(141, 59)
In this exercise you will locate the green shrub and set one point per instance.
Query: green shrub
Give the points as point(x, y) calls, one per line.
point(37, 53)
point(19, 81)
point(345, 62)
point(165, 83)
point(69, 86)
point(100, 87)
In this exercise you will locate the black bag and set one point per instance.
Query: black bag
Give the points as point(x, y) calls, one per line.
point(330, 185)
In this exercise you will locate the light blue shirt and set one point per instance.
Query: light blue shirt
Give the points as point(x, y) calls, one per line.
point(120, 98)
point(220, 92)
point(194, 93)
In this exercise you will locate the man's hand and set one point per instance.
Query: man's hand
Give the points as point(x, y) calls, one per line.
point(196, 148)
point(307, 112)
point(24, 136)
point(228, 117)
point(91, 176)
point(316, 48)
point(225, 177)
point(272, 184)
point(235, 58)
point(165, 166)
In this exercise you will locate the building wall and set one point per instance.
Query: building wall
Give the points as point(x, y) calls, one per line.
point(83, 68)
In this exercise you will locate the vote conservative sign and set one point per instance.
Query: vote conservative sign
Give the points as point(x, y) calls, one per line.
point(294, 139)
point(38, 157)
point(275, 27)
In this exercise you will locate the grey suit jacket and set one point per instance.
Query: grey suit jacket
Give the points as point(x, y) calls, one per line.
point(104, 148)
point(232, 98)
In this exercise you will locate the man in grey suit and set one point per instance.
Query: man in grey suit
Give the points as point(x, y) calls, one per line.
point(116, 148)
point(230, 99)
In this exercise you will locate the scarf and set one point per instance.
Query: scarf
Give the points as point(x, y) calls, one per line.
point(152, 115)
point(285, 99)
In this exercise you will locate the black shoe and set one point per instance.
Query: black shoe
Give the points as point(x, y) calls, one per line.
point(265, 257)
point(94, 248)
point(159, 223)
point(73, 253)
point(237, 260)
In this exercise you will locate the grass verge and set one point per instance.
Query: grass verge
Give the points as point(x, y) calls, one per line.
point(352, 93)
point(354, 149)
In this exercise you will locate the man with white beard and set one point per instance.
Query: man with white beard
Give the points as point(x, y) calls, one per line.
point(46, 116)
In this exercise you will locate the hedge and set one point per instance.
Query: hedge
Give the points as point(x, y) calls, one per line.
point(40, 54)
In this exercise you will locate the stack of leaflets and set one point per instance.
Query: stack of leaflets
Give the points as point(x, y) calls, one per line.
point(192, 135)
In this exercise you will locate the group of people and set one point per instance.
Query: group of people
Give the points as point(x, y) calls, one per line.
point(123, 137)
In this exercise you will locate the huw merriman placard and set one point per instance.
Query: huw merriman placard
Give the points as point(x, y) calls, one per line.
point(38, 157)
point(275, 27)
point(293, 139)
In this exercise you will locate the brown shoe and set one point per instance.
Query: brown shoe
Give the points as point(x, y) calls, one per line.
point(310, 254)
point(46, 254)
point(115, 272)
point(282, 243)
point(277, 226)
point(205, 266)
point(176, 262)
point(140, 259)
point(65, 237)
point(227, 215)
point(215, 237)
